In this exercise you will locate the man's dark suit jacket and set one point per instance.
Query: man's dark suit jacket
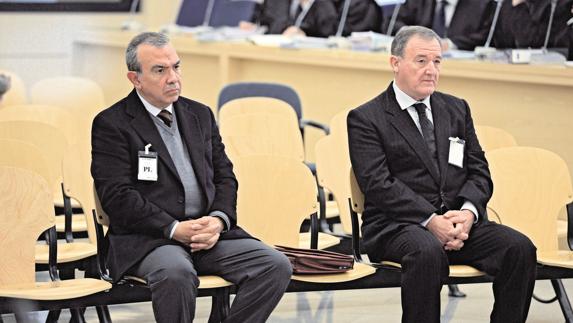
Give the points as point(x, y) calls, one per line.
point(320, 21)
point(525, 25)
point(394, 169)
point(142, 211)
point(469, 25)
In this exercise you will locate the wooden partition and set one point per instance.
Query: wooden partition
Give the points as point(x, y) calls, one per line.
point(534, 103)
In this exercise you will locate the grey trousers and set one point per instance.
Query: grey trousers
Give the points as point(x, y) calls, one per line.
point(260, 273)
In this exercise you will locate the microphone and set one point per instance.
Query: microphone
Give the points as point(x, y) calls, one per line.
point(131, 23)
point(342, 21)
point(486, 49)
point(393, 19)
point(208, 13)
point(548, 32)
point(570, 26)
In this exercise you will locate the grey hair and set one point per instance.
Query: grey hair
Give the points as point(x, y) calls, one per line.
point(406, 33)
point(151, 38)
point(4, 84)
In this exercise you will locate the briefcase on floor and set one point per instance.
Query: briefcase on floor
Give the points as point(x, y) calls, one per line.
point(313, 261)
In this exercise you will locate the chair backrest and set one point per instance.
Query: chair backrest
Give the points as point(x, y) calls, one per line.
point(281, 92)
point(17, 92)
point(531, 185)
point(491, 138)
point(78, 184)
point(26, 210)
point(333, 164)
point(57, 117)
point(275, 195)
point(81, 96)
point(101, 217)
point(49, 140)
point(356, 195)
point(21, 154)
point(260, 126)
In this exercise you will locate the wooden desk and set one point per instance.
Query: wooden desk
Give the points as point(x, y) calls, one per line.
point(534, 103)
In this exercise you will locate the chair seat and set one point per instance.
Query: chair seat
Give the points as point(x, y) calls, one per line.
point(324, 240)
point(455, 270)
point(78, 223)
point(556, 258)
point(67, 252)
point(63, 289)
point(359, 271)
point(205, 282)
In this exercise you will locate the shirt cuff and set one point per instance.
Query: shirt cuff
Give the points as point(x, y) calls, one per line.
point(470, 207)
point(173, 225)
point(425, 223)
point(221, 215)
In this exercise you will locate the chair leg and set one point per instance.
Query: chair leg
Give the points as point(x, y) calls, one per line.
point(563, 300)
point(77, 316)
point(103, 314)
point(454, 291)
point(53, 316)
point(220, 306)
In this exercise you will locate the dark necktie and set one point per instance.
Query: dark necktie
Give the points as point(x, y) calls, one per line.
point(166, 117)
point(439, 23)
point(427, 130)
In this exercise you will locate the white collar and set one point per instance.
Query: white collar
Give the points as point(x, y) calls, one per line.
point(405, 101)
point(153, 109)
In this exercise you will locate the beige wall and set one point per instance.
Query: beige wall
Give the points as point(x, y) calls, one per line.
point(38, 45)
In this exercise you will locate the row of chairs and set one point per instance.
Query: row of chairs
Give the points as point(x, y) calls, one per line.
point(248, 148)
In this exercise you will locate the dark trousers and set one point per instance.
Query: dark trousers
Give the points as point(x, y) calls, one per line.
point(261, 273)
point(498, 250)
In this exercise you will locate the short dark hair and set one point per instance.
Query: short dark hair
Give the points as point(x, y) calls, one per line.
point(405, 33)
point(151, 38)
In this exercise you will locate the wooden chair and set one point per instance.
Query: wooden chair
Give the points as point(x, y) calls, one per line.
point(215, 286)
point(252, 126)
point(275, 195)
point(332, 165)
point(491, 138)
point(25, 155)
point(531, 186)
point(80, 96)
point(17, 92)
point(357, 205)
point(45, 127)
point(26, 211)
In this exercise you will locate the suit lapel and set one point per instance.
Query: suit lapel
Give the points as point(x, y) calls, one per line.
point(403, 123)
point(442, 132)
point(192, 136)
point(144, 126)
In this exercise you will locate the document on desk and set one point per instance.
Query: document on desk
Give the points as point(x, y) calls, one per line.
point(459, 54)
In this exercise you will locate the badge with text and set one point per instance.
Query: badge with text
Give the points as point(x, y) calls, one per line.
point(147, 165)
point(456, 156)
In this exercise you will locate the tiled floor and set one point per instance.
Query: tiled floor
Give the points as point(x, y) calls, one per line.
point(360, 306)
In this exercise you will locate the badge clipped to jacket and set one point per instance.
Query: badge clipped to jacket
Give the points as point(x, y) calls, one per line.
point(147, 165)
point(456, 155)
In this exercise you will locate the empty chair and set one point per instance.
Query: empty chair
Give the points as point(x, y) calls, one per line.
point(532, 185)
point(491, 138)
point(265, 126)
point(26, 211)
point(275, 195)
point(80, 96)
point(277, 91)
point(17, 92)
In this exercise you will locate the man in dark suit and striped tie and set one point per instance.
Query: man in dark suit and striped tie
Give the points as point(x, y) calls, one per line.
point(426, 183)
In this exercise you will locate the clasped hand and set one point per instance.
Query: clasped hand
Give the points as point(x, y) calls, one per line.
point(452, 228)
point(199, 234)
